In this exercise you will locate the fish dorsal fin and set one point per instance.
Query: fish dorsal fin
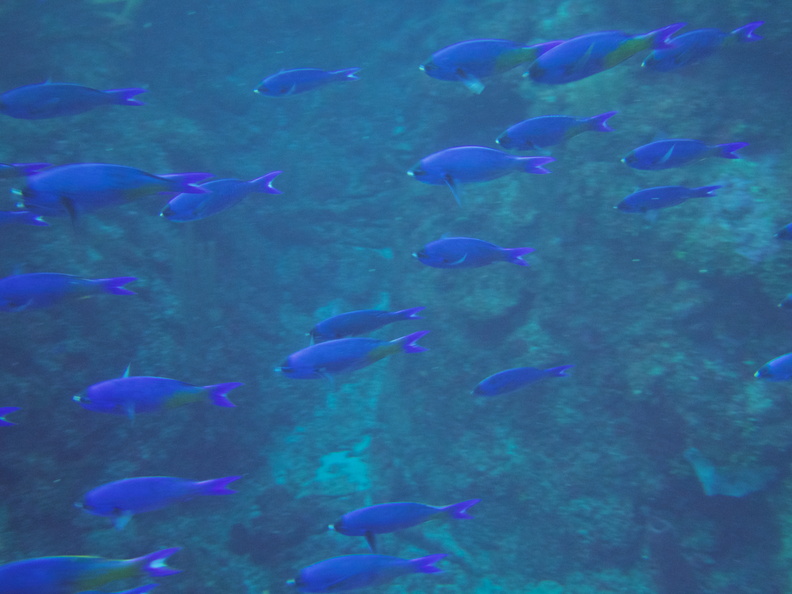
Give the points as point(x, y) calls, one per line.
point(127, 370)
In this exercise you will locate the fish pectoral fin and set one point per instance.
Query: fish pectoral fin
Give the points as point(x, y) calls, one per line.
point(471, 82)
point(129, 410)
point(667, 156)
point(122, 519)
point(455, 190)
point(19, 306)
point(68, 205)
point(371, 539)
point(457, 262)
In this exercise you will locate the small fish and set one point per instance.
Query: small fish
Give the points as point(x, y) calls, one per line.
point(300, 80)
point(141, 590)
point(327, 359)
point(221, 194)
point(786, 302)
point(8, 170)
point(785, 233)
point(73, 190)
point(125, 498)
point(545, 131)
point(355, 323)
point(697, 45)
point(777, 370)
point(69, 574)
point(467, 252)
point(390, 517)
point(514, 379)
point(662, 197)
point(130, 395)
point(352, 572)
point(7, 410)
point(677, 152)
point(584, 56)
point(470, 61)
point(54, 100)
point(465, 164)
point(21, 217)
point(23, 292)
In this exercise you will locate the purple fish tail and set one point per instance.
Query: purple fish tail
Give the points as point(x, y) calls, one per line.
point(513, 255)
point(534, 164)
point(408, 314)
point(218, 486)
point(114, 286)
point(183, 182)
point(154, 564)
point(727, 150)
point(558, 371)
point(746, 32)
point(264, 183)
point(407, 343)
point(217, 393)
point(124, 96)
point(660, 38)
point(459, 510)
point(5, 411)
point(703, 191)
point(598, 123)
point(426, 564)
point(29, 168)
point(346, 74)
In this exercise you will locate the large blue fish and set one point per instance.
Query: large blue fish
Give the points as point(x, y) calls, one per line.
point(7, 410)
point(363, 321)
point(21, 217)
point(8, 170)
point(221, 194)
point(72, 190)
point(514, 379)
point(586, 55)
point(70, 574)
point(326, 359)
point(546, 131)
point(123, 499)
point(467, 252)
point(300, 80)
point(471, 61)
point(678, 152)
point(24, 292)
point(777, 370)
point(466, 164)
point(352, 572)
point(390, 517)
point(694, 46)
point(53, 100)
point(662, 197)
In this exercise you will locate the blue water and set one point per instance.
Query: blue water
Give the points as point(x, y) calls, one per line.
point(665, 318)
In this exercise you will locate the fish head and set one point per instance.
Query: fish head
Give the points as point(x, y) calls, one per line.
point(630, 158)
point(417, 171)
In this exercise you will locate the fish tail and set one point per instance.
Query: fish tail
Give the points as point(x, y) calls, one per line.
point(558, 371)
point(217, 393)
point(747, 32)
point(514, 255)
point(154, 564)
point(534, 164)
point(408, 314)
point(346, 74)
point(264, 183)
point(459, 510)
point(29, 168)
point(703, 191)
point(727, 150)
point(5, 411)
point(115, 286)
point(183, 182)
point(426, 564)
point(218, 486)
point(408, 343)
point(124, 96)
point(598, 123)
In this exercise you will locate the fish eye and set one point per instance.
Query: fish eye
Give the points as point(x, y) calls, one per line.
point(283, 90)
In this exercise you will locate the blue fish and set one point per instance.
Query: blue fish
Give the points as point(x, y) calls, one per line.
point(221, 194)
point(355, 323)
point(125, 498)
point(327, 359)
point(777, 370)
point(8, 170)
point(466, 164)
point(545, 131)
point(390, 517)
point(584, 56)
point(786, 302)
point(470, 61)
point(467, 252)
point(352, 572)
point(69, 574)
point(514, 379)
point(7, 410)
point(73, 190)
point(662, 197)
point(130, 395)
point(300, 80)
point(54, 100)
point(21, 217)
point(694, 46)
point(24, 292)
point(141, 590)
point(677, 152)
point(785, 233)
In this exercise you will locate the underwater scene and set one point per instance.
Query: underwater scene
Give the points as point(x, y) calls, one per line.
point(431, 297)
